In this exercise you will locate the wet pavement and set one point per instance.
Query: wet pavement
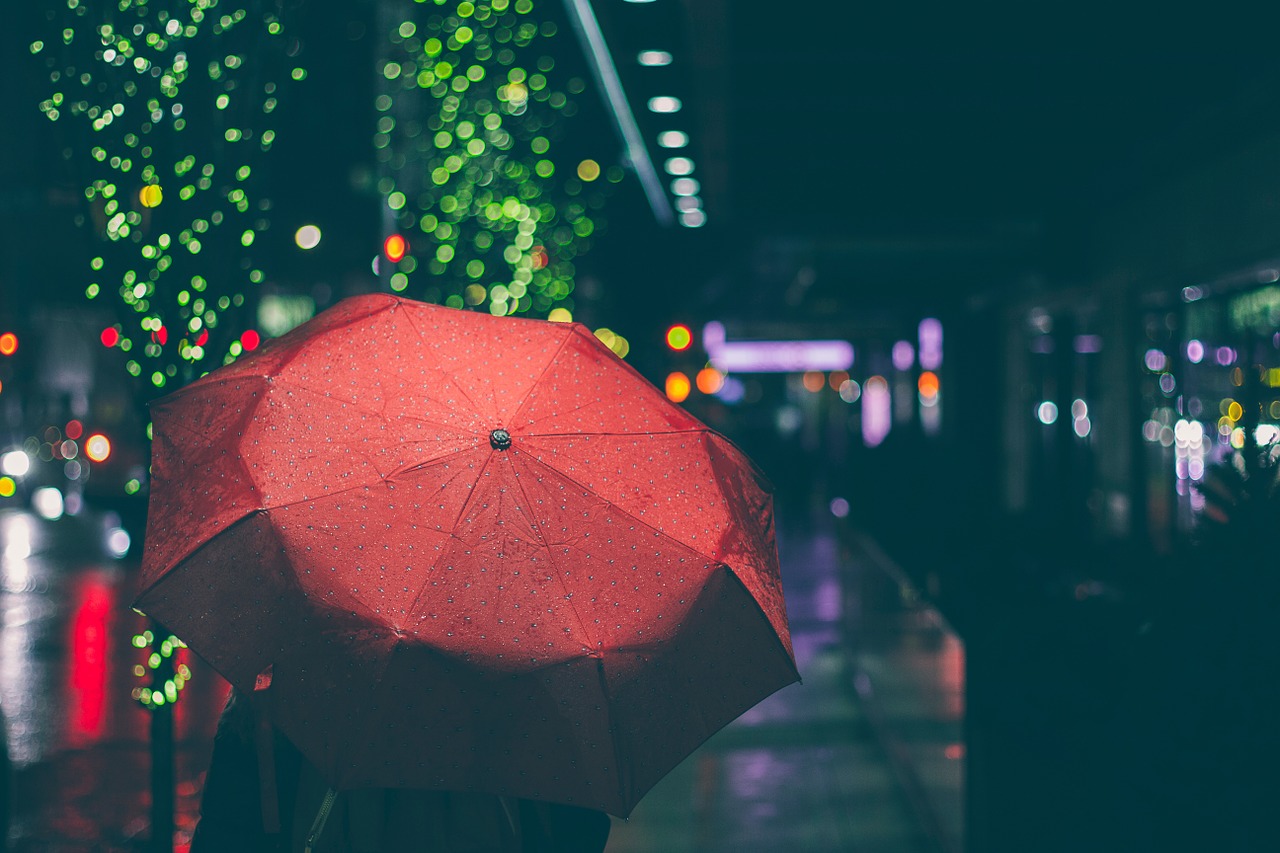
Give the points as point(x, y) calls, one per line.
point(78, 742)
point(815, 767)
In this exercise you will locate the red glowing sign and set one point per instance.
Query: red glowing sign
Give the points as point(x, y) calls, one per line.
point(88, 682)
point(395, 248)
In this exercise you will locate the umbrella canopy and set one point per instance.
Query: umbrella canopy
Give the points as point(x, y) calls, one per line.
point(474, 553)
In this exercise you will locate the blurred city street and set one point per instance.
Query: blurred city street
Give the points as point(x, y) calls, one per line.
point(804, 770)
point(987, 299)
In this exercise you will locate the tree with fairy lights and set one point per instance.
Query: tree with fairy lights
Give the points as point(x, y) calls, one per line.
point(166, 113)
point(470, 138)
point(167, 108)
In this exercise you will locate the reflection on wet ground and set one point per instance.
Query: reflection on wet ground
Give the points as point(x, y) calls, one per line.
point(802, 771)
point(78, 743)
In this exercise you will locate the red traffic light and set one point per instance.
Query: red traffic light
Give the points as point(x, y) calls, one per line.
point(395, 248)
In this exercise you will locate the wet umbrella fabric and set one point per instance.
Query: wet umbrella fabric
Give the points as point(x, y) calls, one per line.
point(473, 553)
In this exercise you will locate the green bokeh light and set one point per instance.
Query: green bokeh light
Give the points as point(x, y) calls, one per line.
point(170, 191)
point(476, 171)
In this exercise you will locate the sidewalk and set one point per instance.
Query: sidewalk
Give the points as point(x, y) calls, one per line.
point(77, 741)
point(909, 670)
point(802, 771)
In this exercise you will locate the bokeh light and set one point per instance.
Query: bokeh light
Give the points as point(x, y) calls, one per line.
point(877, 411)
point(307, 237)
point(709, 380)
point(48, 503)
point(664, 104)
point(472, 105)
point(118, 542)
point(678, 166)
point(620, 346)
point(97, 447)
point(678, 387)
point(15, 463)
point(176, 263)
point(673, 139)
point(928, 385)
point(151, 195)
point(685, 186)
point(8, 343)
point(395, 247)
point(654, 58)
point(929, 335)
point(679, 337)
point(904, 355)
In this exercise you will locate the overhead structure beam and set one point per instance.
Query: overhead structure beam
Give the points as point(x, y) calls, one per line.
point(587, 28)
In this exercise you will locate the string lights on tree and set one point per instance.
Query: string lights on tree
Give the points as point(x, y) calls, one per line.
point(170, 107)
point(167, 109)
point(470, 139)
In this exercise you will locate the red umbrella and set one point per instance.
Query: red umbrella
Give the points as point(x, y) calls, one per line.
point(475, 553)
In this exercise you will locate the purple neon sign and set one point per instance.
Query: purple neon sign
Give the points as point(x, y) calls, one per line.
point(773, 356)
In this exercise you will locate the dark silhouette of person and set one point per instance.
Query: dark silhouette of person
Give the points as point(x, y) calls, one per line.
point(303, 814)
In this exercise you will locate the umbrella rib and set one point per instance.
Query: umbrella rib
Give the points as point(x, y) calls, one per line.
point(614, 733)
point(643, 432)
point(427, 463)
point(456, 385)
point(471, 496)
point(640, 521)
point(700, 430)
point(329, 494)
point(537, 529)
point(563, 412)
point(545, 370)
point(382, 414)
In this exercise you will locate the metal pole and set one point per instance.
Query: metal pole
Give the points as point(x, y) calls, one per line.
point(162, 760)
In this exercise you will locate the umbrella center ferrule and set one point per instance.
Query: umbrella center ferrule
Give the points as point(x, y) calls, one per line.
point(500, 439)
